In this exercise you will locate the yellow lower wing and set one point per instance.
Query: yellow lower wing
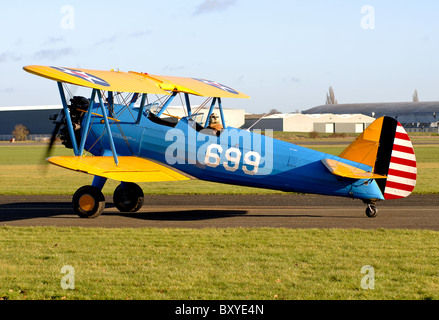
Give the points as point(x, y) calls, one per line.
point(345, 170)
point(130, 169)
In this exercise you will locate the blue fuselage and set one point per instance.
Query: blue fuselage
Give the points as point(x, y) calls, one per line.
point(235, 156)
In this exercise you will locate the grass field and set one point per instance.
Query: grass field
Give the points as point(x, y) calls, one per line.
point(235, 263)
point(241, 263)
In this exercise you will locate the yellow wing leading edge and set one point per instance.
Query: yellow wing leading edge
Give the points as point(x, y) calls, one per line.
point(129, 168)
point(135, 82)
point(96, 79)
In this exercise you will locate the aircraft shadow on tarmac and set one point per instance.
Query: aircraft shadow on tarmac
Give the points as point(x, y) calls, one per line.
point(63, 210)
point(34, 210)
point(185, 215)
point(205, 214)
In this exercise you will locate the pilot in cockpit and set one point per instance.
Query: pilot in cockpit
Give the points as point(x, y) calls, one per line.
point(214, 124)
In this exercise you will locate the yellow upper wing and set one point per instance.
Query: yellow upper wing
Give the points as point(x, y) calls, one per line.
point(103, 80)
point(198, 86)
point(135, 82)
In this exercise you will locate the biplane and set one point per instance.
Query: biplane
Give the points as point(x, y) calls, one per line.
point(125, 132)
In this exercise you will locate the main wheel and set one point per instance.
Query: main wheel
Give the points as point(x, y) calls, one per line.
point(371, 211)
point(88, 202)
point(128, 197)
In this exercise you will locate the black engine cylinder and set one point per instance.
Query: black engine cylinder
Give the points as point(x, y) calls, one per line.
point(77, 108)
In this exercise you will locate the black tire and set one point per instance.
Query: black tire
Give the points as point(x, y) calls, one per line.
point(88, 202)
point(128, 197)
point(371, 211)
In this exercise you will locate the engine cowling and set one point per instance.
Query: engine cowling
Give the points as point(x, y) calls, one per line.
point(78, 106)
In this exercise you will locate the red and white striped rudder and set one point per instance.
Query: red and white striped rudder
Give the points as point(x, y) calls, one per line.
point(401, 177)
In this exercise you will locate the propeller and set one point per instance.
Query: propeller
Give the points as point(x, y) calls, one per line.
point(58, 123)
point(58, 119)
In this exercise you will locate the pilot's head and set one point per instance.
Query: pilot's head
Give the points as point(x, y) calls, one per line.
point(214, 119)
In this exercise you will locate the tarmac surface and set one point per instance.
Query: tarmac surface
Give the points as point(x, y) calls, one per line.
point(221, 211)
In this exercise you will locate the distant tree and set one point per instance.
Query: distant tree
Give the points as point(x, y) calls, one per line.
point(314, 135)
point(274, 111)
point(20, 132)
point(415, 96)
point(330, 97)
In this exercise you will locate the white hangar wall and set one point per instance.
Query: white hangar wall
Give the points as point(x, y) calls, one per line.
point(327, 123)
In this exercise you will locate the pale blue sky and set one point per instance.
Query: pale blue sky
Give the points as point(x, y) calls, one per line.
point(283, 53)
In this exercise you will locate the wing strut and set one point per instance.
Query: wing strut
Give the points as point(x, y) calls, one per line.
point(142, 106)
point(107, 126)
point(165, 106)
point(188, 104)
point(68, 118)
point(80, 150)
point(212, 105)
point(87, 122)
point(220, 107)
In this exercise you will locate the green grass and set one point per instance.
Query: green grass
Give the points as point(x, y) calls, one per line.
point(24, 171)
point(235, 263)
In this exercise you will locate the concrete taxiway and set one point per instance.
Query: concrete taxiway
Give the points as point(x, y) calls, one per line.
point(220, 211)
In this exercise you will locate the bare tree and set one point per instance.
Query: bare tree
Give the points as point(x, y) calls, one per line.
point(20, 132)
point(330, 97)
point(415, 96)
point(274, 111)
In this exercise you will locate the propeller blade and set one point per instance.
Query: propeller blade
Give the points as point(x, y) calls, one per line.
point(58, 122)
point(52, 139)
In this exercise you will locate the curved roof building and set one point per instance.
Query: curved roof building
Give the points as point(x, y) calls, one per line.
point(407, 113)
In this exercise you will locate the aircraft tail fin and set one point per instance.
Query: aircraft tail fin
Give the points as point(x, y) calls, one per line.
point(386, 147)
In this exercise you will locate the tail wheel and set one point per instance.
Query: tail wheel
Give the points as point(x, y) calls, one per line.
point(128, 197)
point(371, 211)
point(88, 202)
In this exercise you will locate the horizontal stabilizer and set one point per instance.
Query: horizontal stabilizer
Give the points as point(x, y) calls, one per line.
point(347, 171)
point(129, 169)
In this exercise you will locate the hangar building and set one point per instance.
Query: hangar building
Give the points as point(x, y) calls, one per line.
point(414, 116)
point(34, 118)
point(297, 122)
